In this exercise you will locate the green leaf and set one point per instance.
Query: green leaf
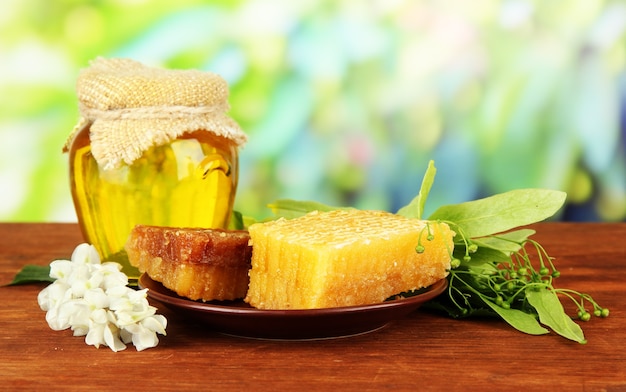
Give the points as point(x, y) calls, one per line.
point(518, 319)
point(481, 256)
point(236, 221)
point(552, 314)
point(32, 274)
point(480, 269)
point(415, 209)
point(247, 221)
point(502, 212)
point(507, 242)
point(289, 209)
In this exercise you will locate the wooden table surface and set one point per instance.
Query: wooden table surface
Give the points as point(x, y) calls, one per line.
point(423, 351)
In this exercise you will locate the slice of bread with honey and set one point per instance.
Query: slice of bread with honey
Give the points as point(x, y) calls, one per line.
point(205, 264)
point(344, 258)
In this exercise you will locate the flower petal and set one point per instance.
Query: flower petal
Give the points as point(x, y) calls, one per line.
point(156, 323)
point(85, 253)
point(144, 338)
point(97, 298)
point(112, 339)
point(60, 269)
point(95, 336)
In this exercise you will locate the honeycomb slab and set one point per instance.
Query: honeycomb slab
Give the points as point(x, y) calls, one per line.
point(200, 264)
point(344, 258)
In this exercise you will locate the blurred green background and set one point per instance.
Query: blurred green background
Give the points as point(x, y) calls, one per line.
point(344, 101)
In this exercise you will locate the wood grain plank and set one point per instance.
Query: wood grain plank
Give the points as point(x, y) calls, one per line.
point(424, 351)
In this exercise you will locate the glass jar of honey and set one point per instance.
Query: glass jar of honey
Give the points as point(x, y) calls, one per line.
point(154, 159)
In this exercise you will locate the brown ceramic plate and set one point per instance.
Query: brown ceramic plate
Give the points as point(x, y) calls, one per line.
point(240, 319)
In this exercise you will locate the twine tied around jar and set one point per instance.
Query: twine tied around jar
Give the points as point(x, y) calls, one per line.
point(131, 107)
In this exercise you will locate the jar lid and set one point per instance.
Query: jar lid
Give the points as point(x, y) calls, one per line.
point(131, 107)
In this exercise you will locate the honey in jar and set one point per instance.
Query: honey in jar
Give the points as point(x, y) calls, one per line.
point(153, 147)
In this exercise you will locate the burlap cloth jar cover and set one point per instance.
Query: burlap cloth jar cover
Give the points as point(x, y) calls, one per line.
point(131, 107)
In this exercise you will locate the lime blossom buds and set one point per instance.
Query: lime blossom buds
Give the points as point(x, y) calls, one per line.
point(93, 300)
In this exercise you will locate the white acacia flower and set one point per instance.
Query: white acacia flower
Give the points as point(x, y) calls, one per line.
point(61, 269)
point(58, 316)
point(110, 274)
point(50, 296)
point(132, 307)
point(144, 333)
point(93, 300)
point(85, 253)
point(103, 331)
